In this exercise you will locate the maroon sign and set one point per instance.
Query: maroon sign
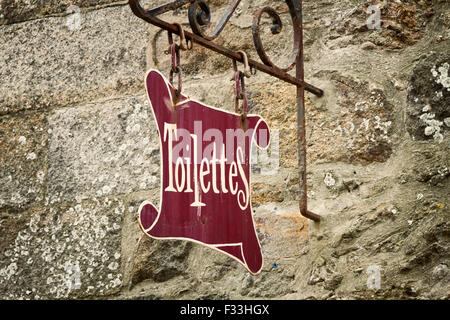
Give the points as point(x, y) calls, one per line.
point(205, 175)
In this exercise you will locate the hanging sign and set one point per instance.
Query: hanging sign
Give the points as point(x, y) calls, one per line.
point(205, 174)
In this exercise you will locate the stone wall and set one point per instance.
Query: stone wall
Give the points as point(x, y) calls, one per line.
point(79, 152)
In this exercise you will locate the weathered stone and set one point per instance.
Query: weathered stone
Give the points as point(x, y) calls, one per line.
point(440, 271)
point(273, 284)
point(65, 251)
point(14, 11)
point(160, 261)
point(102, 149)
point(264, 193)
point(23, 156)
point(431, 165)
point(45, 63)
point(429, 98)
point(368, 46)
point(281, 230)
point(392, 25)
point(333, 282)
point(350, 124)
point(350, 184)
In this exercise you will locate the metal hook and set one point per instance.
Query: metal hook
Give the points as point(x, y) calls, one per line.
point(240, 93)
point(247, 70)
point(185, 44)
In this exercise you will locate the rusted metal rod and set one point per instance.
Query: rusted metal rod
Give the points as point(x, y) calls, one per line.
point(273, 71)
point(301, 117)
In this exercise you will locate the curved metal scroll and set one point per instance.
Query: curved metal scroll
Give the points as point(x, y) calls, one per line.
point(199, 15)
point(276, 28)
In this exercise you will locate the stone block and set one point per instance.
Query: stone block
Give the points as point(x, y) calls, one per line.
point(48, 63)
point(102, 149)
point(351, 123)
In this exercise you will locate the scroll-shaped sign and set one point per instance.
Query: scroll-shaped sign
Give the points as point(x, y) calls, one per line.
point(205, 175)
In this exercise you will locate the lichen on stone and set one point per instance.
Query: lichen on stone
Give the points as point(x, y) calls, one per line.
point(432, 126)
point(441, 75)
point(62, 251)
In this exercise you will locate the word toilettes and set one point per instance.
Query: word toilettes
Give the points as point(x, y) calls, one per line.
point(204, 163)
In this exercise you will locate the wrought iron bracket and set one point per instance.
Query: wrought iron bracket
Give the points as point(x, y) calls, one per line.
point(199, 15)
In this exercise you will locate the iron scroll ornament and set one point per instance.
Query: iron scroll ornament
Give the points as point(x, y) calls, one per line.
point(199, 15)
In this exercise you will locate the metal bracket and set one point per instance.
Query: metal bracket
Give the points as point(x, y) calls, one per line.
point(199, 15)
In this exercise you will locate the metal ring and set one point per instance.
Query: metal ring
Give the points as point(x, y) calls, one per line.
point(182, 36)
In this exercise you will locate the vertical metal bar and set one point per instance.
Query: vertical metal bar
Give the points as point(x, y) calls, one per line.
point(301, 121)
